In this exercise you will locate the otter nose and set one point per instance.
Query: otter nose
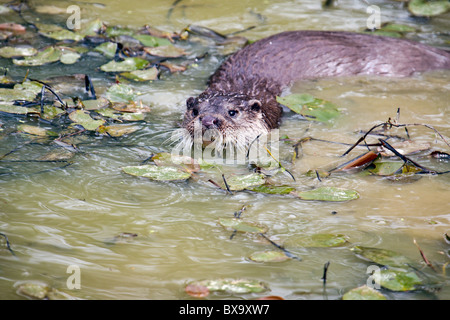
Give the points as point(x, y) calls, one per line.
point(209, 122)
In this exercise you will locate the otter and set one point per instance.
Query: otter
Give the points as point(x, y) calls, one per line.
point(240, 100)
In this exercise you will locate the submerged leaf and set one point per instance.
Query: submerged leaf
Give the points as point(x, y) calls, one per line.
point(33, 290)
point(120, 93)
point(107, 48)
point(169, 51)
point(363, 293)
point(318, 240)
point(84, 119)
point(157, 173)
point(271, 189)
point(142, 75)
point(428, 8)
point(233, 285)
point(329, 194)
point(309, 107)
point(151, 41)
point(241, 225)
point(269, 256)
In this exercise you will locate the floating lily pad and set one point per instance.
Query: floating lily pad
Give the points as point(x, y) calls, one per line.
point(91, 28)
point(57, 155)
point(50, 112)
point(48, 55)
point(128, 64)
point(310, 107)
point(169, 51)
point(10, 108)
point(107, 48)
point(197, 290)
point(241, 225)
point(95, 104)
point(329, 194)
point(151, 41)
point(383, 256)
point(168, 159)
point(141, 75)
point(395, 27)
point(233, 285)
point(21, 91)
point(386, 168)
point(120, 93)
point(363, 293)
point(19, 51)
point(69, 56)
point(428, 8)
point(236, 182)
point(84, 119)
point(58, 33)
point(318, 240)
point(269, 256)
point(397, 280)
point(157, 173)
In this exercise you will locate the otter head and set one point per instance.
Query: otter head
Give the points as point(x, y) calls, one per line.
point(226, 118)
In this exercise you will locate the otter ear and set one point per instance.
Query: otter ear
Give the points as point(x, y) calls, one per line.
point(190, 102)
point(255, 105)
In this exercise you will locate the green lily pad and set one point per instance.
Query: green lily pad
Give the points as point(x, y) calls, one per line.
point(69, 56)
point(395, 27)
point(21, 91)
point(91, 28)
point(128, 64)
point(51, 112)
point(242, 182)
point(363, 293)
point(428, 8)
point(383, 256)
point(233, 285)
point(120, 93)
point(48, 55)
point(329, 194)
point(141, 75)
point(157, 173)
point(397, 280)
point(241, 225)
point(310, 107)
point(84, 119)
point(58, 33)
point(107, 48)
point(19, 51)
point(95, 104)
point(271, 189)
point(386, 168)
point(318, 240)
point(10, 108)
point(114, 31)
point(169, 51)
point(151, 41)
point(269, 256)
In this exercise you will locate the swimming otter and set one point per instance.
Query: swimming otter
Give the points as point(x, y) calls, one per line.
point(240, 101)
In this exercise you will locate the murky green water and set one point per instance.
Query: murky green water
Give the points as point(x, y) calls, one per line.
point(68, 216)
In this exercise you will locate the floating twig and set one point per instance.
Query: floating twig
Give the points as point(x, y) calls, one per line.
point(226, 184)
point(8, 245)
point(325, 270)
point(428, 263)
point(286, 252)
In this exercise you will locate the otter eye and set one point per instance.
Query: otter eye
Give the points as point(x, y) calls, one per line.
point(194, 112)
point(232, 113)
